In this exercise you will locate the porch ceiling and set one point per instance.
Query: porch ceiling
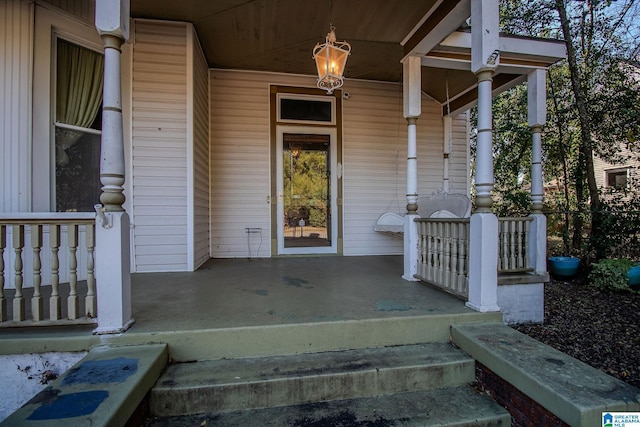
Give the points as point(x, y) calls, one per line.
point(279, 35)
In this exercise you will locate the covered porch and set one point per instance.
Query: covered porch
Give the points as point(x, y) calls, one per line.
point(439, 61)
point(240, 307)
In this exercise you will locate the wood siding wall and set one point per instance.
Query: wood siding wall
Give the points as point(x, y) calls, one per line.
point(632, 164)
point(375, 158)
point(374, 170)
point(16, 51)
point(159, 146)
point(240, 172)
point(200, 154)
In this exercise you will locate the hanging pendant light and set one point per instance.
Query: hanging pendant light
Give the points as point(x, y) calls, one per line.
point(331, 58)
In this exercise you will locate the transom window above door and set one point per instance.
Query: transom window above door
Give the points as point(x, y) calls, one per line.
point(306, 109)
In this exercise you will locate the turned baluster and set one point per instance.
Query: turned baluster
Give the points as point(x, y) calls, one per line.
point(55, 308)
point(18, 299)
point(36, 300)
point(90, 299)
point(72, 300)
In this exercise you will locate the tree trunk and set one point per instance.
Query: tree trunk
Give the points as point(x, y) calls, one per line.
point(586, 147)
point(565, 172)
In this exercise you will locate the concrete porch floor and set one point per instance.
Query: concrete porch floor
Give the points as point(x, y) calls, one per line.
point(227, 293)
point(241, 307)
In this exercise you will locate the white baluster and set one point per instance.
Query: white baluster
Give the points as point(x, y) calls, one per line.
point(18, 299)
point(430, 249)
point(72, 300)
point(504, 238)
point(525, 245)
point(447, 255)
point(454, 256)
point(3, 301)
point(55, 308)
point(36, 245)
point(463, 267)
point(440, 276)
point(90, 299)
point(512, 243)
point(520, 238)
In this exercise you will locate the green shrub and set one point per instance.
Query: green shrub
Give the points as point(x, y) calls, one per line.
point(610, 274)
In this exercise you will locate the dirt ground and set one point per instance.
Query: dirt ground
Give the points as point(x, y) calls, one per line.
point(599, 328)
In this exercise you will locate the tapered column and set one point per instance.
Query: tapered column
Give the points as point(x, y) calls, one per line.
point(484, 145)
point(112, 22)
point(483, 238)
point(112, 264)
point(411, 68)
point(112, 148)
point(537, 117)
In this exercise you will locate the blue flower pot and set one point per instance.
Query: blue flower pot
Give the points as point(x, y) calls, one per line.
point(564, 267)
point(633, 276)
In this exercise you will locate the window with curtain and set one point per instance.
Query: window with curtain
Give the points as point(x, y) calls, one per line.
point(78, 123)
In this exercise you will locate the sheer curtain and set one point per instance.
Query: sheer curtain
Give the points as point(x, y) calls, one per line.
point(78, 93)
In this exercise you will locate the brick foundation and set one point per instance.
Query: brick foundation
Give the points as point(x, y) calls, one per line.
point(525, 412)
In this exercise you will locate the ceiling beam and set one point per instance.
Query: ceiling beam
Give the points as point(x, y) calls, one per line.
point(515, 47)
point(437, 24)
point(467, 99)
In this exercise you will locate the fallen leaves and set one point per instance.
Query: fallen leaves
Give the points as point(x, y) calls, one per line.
point(599, 328)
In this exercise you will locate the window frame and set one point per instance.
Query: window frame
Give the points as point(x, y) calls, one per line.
point(302, 97)
point(612, 173)
point(49, 26)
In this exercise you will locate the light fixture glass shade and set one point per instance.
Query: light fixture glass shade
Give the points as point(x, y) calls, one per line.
point(331, 58)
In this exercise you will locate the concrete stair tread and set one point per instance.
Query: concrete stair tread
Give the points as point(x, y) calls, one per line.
point(421, 408)
point(575, 392)
point(243, 370)
point(226, 385)
point(102, 389)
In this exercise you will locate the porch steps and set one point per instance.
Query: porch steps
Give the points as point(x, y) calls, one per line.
point(410, 384)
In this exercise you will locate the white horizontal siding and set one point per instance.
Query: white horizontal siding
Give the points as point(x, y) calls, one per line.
point(200, 156)
point(159, 146)
point(240, 165)
point(374, 164)
point(375, 157)
point(16, 51)
point(459, 166)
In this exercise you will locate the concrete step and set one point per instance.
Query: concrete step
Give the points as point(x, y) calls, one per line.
point(103, 389)
point(250, 383)
point(573, 391)
point(454, 406)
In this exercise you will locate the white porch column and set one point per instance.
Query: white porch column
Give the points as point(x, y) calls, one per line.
point(537, 117)
point(113, 271)
point(483, 244)
point(411, 68)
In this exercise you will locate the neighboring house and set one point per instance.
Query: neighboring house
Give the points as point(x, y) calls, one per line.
point(220, 112)
point(624, 174)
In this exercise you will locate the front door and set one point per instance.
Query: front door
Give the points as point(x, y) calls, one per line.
point(307, 190)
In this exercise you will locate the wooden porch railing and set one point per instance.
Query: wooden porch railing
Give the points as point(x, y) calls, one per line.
point(444, 251)
point(44, 256)
point(514, 241)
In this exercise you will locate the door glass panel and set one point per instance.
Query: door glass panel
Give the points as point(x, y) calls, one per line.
point(306, 190)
